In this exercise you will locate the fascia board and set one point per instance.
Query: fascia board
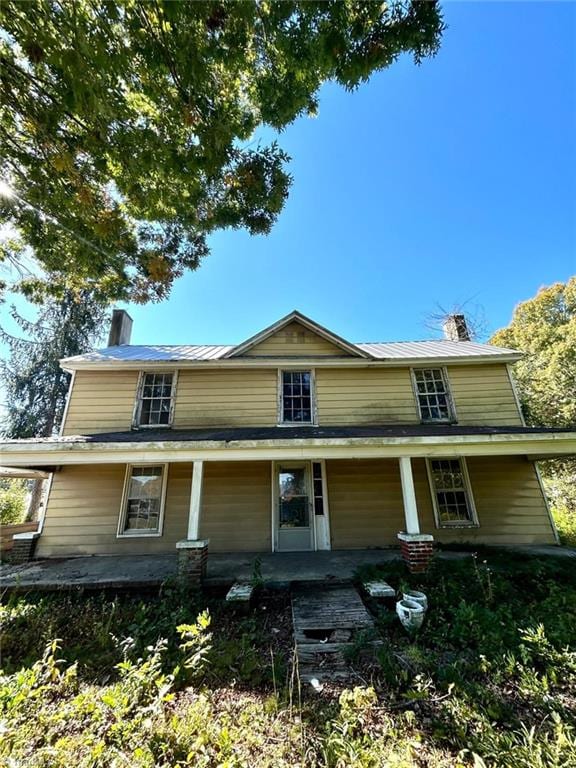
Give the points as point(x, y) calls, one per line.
point(286, 362)
point(39, 454)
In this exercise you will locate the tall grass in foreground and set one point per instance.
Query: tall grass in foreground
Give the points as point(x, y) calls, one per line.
point(175, 680)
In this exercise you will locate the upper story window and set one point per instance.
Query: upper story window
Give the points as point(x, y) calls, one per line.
point(432, 394)
point(155, 400)
point(296, 397)
point(451, 493)
point(143, 501)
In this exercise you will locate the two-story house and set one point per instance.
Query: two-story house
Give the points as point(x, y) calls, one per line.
point(295, 439)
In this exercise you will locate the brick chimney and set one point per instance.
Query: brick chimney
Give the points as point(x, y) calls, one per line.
point(455, 328)
point(120, 328)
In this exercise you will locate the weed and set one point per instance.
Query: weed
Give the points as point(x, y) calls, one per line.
point(161, 680)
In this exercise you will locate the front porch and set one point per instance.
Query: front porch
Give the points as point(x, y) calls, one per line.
point(152, 571)
point(197, 495)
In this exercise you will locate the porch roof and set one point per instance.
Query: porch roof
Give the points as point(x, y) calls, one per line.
point(233, 434)
point(283, 443)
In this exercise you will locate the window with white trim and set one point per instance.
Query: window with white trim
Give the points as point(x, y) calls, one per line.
point(433, 395)
point(451, 494)
point(143, 503)
point(156, 400)
point(296, 397)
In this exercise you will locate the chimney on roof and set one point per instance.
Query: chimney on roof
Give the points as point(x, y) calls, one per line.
point(455, 328)
point(120, 328)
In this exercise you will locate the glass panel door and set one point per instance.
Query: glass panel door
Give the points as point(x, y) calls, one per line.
point(294, 531)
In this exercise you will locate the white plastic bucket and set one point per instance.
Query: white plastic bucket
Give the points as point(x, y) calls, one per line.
point(416, 597)
point(410, 613)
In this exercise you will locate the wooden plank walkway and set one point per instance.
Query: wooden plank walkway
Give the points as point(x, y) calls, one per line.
point(326, 620)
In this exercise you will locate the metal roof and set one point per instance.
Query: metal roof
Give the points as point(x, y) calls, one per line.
point(156, 352)
point(396, 350)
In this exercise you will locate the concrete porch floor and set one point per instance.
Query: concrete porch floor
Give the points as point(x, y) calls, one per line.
point(133, 571)
point(148, 571)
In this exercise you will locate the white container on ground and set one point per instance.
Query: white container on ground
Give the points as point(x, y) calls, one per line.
point(416, 597)
point(411, 614)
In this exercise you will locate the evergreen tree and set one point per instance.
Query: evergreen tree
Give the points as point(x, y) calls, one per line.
point(35, 385)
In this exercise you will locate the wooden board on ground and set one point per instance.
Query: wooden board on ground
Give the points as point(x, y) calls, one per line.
point(326, 622)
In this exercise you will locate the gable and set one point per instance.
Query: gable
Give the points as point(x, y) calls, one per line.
point(296, 336)
point(295, 340)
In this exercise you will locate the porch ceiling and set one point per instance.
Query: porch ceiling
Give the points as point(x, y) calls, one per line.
point(282, 443)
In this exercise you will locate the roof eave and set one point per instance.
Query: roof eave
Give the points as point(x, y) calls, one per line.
point(22, 454)
point(70, 364)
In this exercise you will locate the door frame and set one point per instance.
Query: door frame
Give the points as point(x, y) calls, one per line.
point(316, 544)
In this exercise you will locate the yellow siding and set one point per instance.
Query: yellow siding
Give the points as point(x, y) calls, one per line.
point(483, 394)
point(509, 503)
point(366, 508)
point(101, 401)
point(236, 506)
point(84, 507)
point(233, 398)
point(294, 340)
point(365, 500)
point(365, 396)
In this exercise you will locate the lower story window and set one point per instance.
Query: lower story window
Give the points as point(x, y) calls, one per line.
point(143, 504)
point(451, 494)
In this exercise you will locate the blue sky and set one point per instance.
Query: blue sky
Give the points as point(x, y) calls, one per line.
point(443, 183)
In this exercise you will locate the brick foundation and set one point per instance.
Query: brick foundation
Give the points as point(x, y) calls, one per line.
point(417, 550)
point(192, 561)
point(23, 548)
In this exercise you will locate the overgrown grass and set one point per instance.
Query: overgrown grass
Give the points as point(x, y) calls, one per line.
point(489, 680)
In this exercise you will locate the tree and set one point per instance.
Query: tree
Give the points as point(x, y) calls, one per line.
point(545, 329)
point(130, 124)
point(13, 500)
point(35, 385)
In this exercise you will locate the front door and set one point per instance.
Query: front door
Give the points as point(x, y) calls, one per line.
point(294, 529)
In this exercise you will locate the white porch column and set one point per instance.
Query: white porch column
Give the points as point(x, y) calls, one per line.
point(409, 495)
point(195, 500)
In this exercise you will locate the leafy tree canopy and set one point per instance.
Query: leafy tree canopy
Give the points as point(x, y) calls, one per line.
point(129, 122)
point(35, 385)
point(545, 329)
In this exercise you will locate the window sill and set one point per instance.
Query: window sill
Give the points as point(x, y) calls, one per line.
point(136, 427)
point(297, 424)
point(154, 535)
point(448, 526)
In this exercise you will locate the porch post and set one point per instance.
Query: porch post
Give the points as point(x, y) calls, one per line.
point(192, 551)
point(409, 495)
point(195, 500)
point(417, 548)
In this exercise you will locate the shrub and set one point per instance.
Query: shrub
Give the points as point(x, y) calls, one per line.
point(565, 520)
point(13, 500)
